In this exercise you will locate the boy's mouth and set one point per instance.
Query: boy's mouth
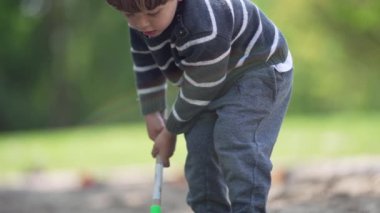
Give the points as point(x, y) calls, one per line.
point(150, 33)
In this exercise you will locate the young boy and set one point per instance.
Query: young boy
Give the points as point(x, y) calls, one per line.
point(234, 73)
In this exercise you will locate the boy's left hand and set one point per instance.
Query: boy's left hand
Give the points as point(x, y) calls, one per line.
point(164, 146)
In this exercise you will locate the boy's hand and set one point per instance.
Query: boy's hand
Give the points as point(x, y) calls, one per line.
point(164, 146)
point(154, 124)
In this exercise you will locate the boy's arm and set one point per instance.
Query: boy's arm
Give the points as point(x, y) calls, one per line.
point(205, 70)
point(150, 83)
point(151, 87)
point(154, 124)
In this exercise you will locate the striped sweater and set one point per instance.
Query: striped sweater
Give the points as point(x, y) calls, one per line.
point(208, 45)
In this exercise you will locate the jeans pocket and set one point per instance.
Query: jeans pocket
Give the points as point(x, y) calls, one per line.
point(283, 82)
point(276, 78)
point(258, 86)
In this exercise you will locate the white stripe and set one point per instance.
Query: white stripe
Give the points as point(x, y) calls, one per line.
point(151, 89)
point(252, 42)
point(229, 3)
point(144, 68)
point(206, 38)
point(245, 21)
point(176, 116)
point(155, 48)
point(166, 65)
point(209, 62)
point(205, 85)
point(179, 82)
point(140, 51)
point(285, 66)
point(192, 101)
point(275, 42)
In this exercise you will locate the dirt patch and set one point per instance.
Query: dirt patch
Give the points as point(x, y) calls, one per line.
point(342, 186)
point(347, 185)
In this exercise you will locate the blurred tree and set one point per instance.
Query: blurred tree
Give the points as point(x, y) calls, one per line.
point(63, 63)
point(356, 23)
point(24, 58)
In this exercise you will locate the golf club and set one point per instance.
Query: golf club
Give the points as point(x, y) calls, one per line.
point(156, 199)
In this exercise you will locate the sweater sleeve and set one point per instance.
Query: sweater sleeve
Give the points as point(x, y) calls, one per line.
point(150, 82)
point(205, 70)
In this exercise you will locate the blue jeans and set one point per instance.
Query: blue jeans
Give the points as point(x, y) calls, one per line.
point(228, 166)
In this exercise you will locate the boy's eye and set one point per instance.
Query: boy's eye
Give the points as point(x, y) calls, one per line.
point(153, 13)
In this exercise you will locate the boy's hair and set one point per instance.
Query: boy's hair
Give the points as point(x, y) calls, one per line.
point(135, 6)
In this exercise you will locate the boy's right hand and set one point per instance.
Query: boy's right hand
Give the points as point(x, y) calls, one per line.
point(154, 124)
point(164, 146)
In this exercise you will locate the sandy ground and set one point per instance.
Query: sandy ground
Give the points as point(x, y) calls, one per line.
point(340, 186)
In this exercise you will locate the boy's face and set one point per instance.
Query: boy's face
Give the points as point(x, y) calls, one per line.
point(153, 22)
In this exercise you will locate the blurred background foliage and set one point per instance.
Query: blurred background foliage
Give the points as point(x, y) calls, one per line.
point(67, 62)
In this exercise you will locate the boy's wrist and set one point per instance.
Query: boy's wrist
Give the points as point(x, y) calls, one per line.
point(168, 133)
point(154, 113)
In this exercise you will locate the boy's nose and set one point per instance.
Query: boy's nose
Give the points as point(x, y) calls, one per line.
point(143, 24)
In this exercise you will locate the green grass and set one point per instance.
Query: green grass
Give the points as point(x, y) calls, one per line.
point(311, 138)
point(82, 148)
point(303, 138)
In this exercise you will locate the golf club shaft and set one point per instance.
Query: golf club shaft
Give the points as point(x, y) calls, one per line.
point(158, 182)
